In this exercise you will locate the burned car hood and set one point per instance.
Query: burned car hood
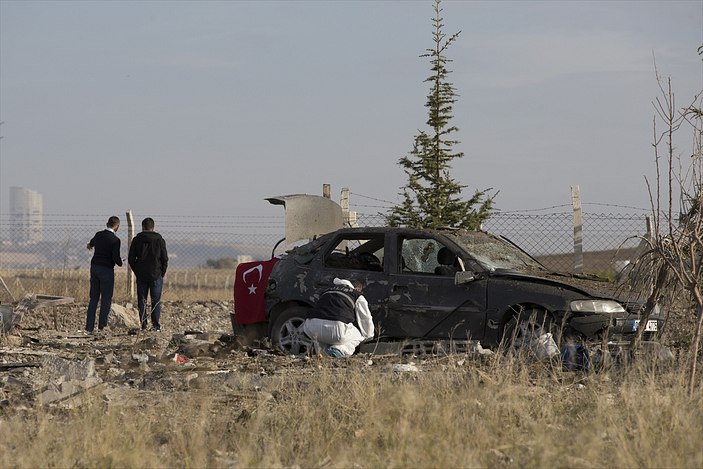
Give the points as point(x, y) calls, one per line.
point(589, 285)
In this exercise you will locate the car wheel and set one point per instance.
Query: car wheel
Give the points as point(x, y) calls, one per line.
point(287, 332)
point(526, 325)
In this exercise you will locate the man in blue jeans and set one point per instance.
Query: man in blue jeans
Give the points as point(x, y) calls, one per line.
point(149, 260)
point(102, 273)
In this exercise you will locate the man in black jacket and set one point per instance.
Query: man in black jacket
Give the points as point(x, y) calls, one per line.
point(340, 320)
point(149, 260)
point(102, 272)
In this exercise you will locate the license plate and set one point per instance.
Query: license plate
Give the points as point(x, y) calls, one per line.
point(651, 326)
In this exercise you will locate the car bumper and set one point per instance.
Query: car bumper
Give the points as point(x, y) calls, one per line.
point(616, 328)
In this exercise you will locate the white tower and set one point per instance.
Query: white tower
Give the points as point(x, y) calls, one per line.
point(26, 216)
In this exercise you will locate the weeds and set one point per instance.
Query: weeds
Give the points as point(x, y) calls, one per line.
point(452, 413)
point(456, 411)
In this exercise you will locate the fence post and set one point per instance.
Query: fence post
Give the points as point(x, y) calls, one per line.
point(650, 228)
point(6, 290)
point(130, 274)
point(578, 228)
point(348, 216)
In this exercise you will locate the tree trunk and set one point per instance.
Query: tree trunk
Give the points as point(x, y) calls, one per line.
point(695, 346)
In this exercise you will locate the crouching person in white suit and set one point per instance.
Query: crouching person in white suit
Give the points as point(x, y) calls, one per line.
point(340, 320)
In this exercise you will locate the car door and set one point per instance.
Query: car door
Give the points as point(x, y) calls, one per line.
point(360, 256)
point(424, 303)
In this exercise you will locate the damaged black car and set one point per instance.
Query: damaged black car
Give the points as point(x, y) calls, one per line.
point(447, 285)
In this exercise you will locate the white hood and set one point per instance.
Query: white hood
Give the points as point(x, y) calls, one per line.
point(347, 283)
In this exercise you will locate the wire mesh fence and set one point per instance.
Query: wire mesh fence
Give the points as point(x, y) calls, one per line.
point(607, 237)
point(204, 250)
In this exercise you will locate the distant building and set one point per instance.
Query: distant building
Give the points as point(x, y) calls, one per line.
point(26, 216)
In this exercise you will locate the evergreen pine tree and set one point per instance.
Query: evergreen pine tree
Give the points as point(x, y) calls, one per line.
point(431, 197)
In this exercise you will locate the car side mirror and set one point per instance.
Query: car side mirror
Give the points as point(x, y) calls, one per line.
point(463, 277)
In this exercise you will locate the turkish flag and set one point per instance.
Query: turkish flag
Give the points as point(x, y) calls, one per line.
point(249, 288)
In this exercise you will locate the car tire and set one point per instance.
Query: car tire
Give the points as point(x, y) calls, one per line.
point(525, 325)
point(287, 332)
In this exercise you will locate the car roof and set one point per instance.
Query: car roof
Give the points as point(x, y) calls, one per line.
point(402, 230)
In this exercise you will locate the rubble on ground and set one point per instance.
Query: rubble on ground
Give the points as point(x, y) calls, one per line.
point(49, 360)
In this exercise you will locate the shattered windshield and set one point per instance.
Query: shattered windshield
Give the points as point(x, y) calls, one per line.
point(494, 253)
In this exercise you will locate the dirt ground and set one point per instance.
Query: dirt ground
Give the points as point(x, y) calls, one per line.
point(51, 361)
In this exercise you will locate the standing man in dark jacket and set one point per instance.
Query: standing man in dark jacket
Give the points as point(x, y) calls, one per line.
point(102, 272)
point(149, 260)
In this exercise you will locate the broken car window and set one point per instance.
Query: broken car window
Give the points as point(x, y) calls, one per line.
point(419, 255)
point(357, 254)
point(493, 253)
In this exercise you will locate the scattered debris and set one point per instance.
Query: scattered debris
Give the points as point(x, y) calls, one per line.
point(575, 357)
point(178, 358)
point(63, 379)
point(403, 368)
point(121, 316)
point(9, 366)
point(10, 317)
point(542, 346)
point(62, 367)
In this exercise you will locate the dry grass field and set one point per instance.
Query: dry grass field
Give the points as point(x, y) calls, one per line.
point(593, 261)
point(192, 397)
point(185, 285)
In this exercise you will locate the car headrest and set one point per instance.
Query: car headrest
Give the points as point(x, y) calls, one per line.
point(445, 256)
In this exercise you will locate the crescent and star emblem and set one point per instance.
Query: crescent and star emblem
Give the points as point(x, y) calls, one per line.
point(252, 288)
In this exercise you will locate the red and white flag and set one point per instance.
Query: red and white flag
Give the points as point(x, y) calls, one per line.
point(249, 287)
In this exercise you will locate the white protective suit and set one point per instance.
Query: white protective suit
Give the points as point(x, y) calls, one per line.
point(342, 336)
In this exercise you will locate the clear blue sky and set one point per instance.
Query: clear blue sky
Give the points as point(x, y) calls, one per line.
point(207, 108)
